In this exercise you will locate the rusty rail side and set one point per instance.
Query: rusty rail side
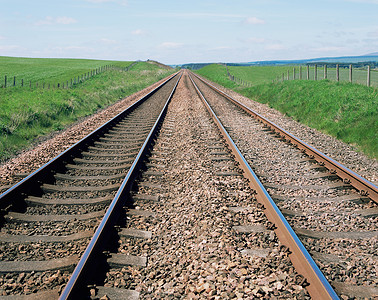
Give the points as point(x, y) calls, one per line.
point(318, 286)
point(365, 187)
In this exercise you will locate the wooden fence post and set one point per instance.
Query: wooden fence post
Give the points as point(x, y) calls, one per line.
point(337, 73)
point(5, 81)
point(294, 73)
point(22, 82)
point(325, 71)
point(300, 72)
point(350, 73)
point(14, 80)
point(315, 72)
point(308, 72)
point(283, 77)
point(368, 76)
point(287, 75)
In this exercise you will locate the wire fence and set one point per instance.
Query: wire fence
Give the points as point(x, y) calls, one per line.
point(13, 81)
point(340, 73)
point(365, 76)
point(237, 80)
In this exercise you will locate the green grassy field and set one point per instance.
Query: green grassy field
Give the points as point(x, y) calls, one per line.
point(48, 70)
point(26, 114)
point(344, 110)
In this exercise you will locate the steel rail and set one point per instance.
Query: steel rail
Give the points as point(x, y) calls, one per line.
point(319, 287)
point(44, 174)
point(365, 187)
point(78, 277)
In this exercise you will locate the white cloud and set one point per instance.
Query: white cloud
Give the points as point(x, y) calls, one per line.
point(364, 1)
point(65, 20)
point(138, 32)
point(275, 47)
point(329, 49)
point(120, 2)
point(58, 20)
point(220, 48)
point(257, 40)
point(373, 34)
point(9, 47)
point(170, 45)
point(253, 21)
point(108, 41)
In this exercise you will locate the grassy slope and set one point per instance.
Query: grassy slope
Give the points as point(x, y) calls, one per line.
point(258, 74)
point(48, 70)
point(28, 113)
point(347, 111)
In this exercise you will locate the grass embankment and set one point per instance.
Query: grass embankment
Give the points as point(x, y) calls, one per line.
point(346, 111)
point(26, 114)
point(48, 70)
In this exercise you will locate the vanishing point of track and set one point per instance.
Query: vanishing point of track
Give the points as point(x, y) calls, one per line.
point(125, 181)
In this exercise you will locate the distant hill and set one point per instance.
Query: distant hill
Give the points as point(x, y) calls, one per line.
point(371, 58)
point(193, 66)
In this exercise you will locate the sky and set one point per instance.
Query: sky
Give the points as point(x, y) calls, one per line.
point(177, 32)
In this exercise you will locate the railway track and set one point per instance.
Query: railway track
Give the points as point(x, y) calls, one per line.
point(189, 221)
point(49, 217)
point(331, 208)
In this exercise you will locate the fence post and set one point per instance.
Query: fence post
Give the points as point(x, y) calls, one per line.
point(308, 72)
point(294, 73)
point(5, 81)
point(337, 73)
point(300, 72)
point(368, 76)
point(350, 73)
point(287, 74)
point(325, 71)
point(315, 72)
point(22, 82)
point(14, 80)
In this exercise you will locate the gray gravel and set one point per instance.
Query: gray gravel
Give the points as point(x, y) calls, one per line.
point(194, 252)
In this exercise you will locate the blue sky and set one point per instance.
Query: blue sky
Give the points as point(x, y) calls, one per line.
point(175, 32)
